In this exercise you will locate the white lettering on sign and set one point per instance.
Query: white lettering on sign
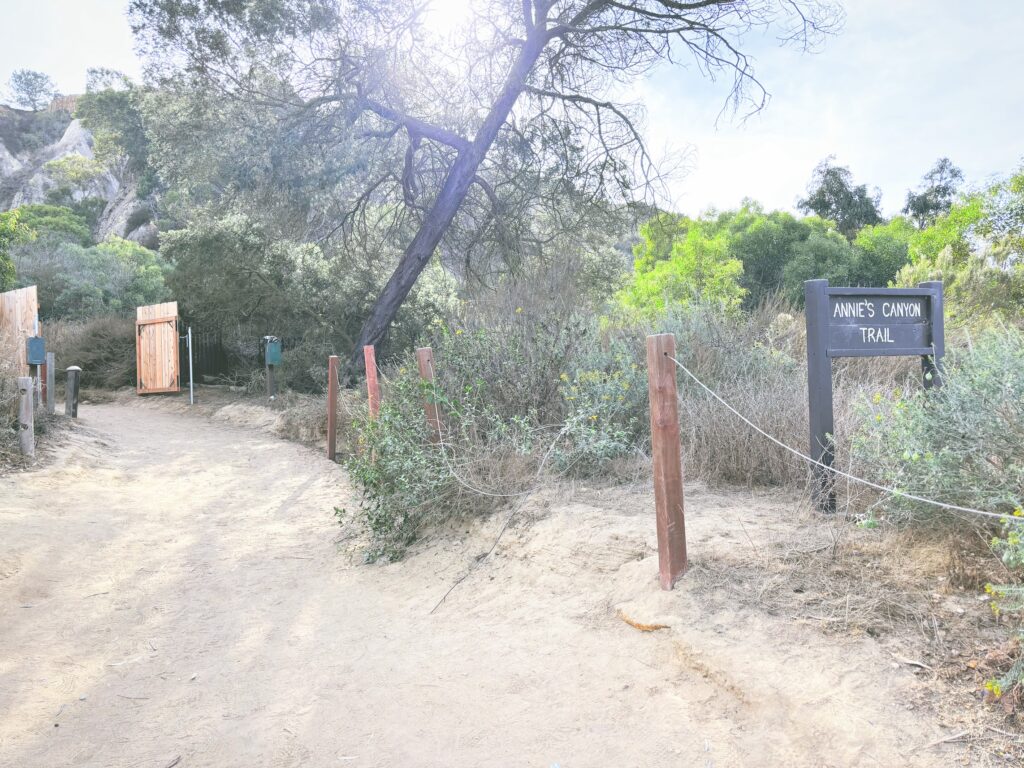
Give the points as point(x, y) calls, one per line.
point(901, 309)
point(876, 336)
point(854, 309)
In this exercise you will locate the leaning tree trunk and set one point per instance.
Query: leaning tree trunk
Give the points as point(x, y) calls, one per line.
point(456, 186)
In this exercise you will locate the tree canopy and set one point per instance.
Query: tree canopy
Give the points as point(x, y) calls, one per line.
point(483, 153)
point(30, 89)
point(935, 195)
point(833, 195)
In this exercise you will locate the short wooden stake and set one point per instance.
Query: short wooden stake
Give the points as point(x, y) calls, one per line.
point(26, 420)
point(666, 455)
point(372, 385)
point(425, 361)
point(51, 387)
point(332, 407)
point(71, 392)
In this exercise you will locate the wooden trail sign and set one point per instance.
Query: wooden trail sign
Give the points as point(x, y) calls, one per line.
point(863, 322)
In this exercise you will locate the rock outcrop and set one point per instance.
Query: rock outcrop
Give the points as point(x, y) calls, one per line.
point(28, 141)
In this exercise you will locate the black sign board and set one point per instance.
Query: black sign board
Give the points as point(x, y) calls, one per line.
point(863, 322)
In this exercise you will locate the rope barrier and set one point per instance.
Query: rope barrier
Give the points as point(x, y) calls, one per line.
point(847, 475)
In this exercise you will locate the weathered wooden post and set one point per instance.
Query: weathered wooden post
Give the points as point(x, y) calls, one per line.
point(666, 455)
point(74, 374)
point(372, 385)
point(332, 407)
point(819, 393)
point(26, 421)
point(425, 361)
point(931, 365)
point(51, 388)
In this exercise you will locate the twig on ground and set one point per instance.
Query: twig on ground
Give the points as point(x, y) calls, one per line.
point(937, 742)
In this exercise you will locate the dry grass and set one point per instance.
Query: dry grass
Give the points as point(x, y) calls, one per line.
point(10, 454)
point(304, 417)
point(917, 591)
point(103, 347)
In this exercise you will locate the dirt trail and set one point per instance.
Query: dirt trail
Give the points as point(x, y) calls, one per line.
point(172, 587)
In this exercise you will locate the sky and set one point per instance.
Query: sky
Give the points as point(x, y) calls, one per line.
point(903, 84)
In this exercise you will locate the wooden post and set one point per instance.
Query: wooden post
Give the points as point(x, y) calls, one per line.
point(372, 385)
point(26, 422)
point(71, 392)
point(931, 365)
point(332, 407)
point(819, 393)
point(425, 361)
point(666, 455)
point(50, 389)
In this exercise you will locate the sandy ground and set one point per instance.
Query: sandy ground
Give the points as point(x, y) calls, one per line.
point(176, 591)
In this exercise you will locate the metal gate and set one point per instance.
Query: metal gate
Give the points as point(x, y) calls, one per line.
point(156, 348)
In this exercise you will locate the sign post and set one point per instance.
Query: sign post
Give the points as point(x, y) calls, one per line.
point(863, 322)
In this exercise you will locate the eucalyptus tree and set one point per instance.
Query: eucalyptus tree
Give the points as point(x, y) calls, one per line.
point(936, 194)
point(476, 142)
point(833, 195)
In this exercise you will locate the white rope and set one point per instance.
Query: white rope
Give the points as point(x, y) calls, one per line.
point(805, 457)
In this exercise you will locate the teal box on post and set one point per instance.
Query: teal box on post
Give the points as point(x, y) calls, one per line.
point(36, 350)
point(273, 353)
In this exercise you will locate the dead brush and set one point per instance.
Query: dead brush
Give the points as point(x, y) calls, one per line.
point(103, 347)
point(303, 418)
point(844, 577)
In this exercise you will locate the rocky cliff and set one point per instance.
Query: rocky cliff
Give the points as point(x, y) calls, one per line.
point(31, 140)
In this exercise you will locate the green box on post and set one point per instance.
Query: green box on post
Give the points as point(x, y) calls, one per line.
point(36, 351)
point(273, 353)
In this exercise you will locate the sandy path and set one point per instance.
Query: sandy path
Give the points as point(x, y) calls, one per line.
point(172, 587)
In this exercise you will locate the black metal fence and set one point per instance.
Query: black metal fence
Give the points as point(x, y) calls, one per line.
point(217, 354)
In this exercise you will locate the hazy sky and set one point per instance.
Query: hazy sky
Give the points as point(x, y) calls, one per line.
point(903, 84)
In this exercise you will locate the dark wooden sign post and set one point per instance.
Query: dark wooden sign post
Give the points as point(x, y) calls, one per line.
point(863, 322)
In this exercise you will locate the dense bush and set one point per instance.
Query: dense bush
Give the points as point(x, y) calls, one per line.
point(103, 347)
point(76, 282)
point(962, 444)
point(405, 484)
point(12, 231)
point(525, 393)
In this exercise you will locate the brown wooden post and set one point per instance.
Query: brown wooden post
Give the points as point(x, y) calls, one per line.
point(332, 407)
point(666, 455)
point(425, 361)
point(43, 372)
point(372, 385)
point(26, 422)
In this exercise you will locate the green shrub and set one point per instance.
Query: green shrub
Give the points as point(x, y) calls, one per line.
point(962, 444)
point(532, 393)
point(403, 478)
point(606, 409)
point(103, 347)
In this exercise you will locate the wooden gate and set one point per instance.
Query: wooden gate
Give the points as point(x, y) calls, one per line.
point(156, 348)
point(19, 319)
